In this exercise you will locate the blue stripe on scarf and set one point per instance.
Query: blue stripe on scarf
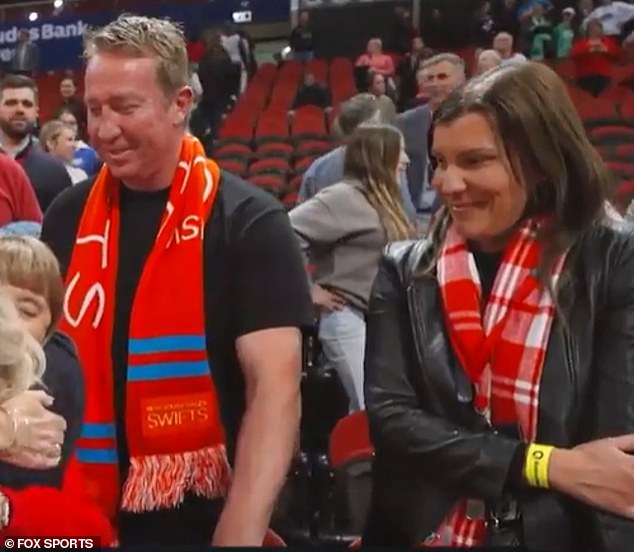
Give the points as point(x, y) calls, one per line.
point(166, 344)
point(168, 370)
point(97, 456)
point(98, 431)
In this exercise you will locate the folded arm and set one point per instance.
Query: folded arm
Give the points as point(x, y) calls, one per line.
point(477, 463)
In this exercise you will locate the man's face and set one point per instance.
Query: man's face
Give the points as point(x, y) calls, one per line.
point(438, 81)
point(503, 44)
point(67, 88)
point(378, 85)
point(132, 123)
point(18, 112)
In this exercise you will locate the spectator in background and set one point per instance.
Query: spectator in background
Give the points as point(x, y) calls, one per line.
point(409, 67)
point(328, 169)
point(593, 56)
point(85, 157)
point(612, 15)
point(488, 59)
point(301, 39)
point(72, 102)
point(484, 26)
point(26, 56)
point(505, 17)
point(421, 97)
point(540, 34)
point(58, 139)
point(195, 50)
point(565, 33)
point(312, 92)
point(18, 113)
point(343, 231)
point(237, 48)
point(375, 60)
point(440, 75)
point(17, 198)
point(377, 86)
point(403, 31)
point(215, 73)
point(503, 45)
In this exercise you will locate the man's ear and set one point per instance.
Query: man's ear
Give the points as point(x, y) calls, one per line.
point(183, 101)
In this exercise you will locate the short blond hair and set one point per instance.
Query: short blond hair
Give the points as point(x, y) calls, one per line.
point(51, 132)
point(22, 359)
point(139, 36)
point(28, 263)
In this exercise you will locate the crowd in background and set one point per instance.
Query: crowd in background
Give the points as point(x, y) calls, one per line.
point(413, 157)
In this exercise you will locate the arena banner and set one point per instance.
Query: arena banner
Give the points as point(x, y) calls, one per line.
point(60, 38)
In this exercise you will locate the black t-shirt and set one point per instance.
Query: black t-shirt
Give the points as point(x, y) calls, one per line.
point(254, 279)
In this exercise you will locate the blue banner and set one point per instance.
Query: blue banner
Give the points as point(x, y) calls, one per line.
point(59, 39)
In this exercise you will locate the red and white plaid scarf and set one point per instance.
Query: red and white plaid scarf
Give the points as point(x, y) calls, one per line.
point(503, 351)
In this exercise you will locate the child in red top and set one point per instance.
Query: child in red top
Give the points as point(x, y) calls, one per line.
point(593, 57)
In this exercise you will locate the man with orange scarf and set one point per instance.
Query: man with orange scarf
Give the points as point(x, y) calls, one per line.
point(186, 295)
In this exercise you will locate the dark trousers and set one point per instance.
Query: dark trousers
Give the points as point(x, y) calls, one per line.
point(595, 84)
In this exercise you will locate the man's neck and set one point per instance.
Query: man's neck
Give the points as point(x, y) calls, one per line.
point(159, 179)
point(13, 146)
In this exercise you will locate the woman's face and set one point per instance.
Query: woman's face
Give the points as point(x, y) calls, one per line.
point(69, 120)
point(475, 181)
point(595, 29)
point(64, 146)
point(34, 310)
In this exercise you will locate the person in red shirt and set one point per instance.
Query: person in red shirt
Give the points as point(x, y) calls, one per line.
point(17, 198)
point(593, 56)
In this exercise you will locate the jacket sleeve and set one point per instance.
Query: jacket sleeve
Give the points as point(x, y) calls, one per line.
point(477, 464)
point(613, 389)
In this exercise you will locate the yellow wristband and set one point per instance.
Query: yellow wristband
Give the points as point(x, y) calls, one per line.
point(536, 465)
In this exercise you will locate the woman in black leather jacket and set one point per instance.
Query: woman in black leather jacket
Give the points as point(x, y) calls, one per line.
point(500, 350)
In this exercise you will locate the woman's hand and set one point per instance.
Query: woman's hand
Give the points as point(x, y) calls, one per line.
point(36, 434)
point(327, 300)
point(599, 473)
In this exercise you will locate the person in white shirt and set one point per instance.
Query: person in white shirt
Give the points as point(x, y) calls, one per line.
point(503, 45)
point(237, 48)
point(58, 139)
point(613, 16)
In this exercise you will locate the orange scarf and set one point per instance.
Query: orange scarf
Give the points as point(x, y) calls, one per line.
point(173, 426)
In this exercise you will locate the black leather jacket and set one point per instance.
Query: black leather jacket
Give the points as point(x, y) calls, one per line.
point(431, 445)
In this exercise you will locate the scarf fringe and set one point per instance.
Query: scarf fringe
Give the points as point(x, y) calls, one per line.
point(161, 481)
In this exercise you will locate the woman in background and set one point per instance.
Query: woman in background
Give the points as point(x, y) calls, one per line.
point(593, 56)
point(343, 230)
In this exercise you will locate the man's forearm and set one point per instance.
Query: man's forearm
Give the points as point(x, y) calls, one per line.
point(265, 448)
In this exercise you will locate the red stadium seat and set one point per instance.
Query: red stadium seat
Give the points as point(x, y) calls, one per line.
point(270, 165)
point(274, 149)
point(273, 183)
point(234, 166)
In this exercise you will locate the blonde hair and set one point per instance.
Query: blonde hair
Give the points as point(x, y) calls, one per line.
point(28, 263)
point(139, 36)
point(22, 360)
point(372, 157)
point(51, 132)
